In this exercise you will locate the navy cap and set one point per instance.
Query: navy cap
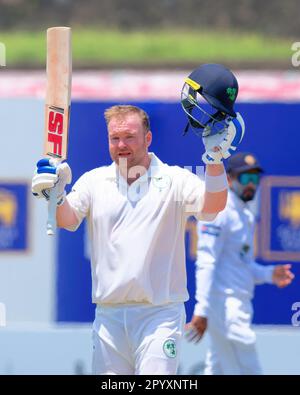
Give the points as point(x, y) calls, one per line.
point(242, 162)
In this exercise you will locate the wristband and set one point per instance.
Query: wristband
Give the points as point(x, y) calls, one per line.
point(216, 183)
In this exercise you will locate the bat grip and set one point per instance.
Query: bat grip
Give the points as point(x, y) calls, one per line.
point(51, 222)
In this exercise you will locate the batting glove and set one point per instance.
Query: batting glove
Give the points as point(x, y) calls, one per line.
point(222, 146)
point(49, 174)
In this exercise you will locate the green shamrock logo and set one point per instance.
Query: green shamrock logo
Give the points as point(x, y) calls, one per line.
point(231, 92)
point(169, 348)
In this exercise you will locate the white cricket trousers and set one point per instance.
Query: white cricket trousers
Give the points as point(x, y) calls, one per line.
point(137, 339)
point(232, 350)
point(229, 357)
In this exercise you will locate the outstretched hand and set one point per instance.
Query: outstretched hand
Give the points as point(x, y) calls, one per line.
point(282, 276)
point(196, 329)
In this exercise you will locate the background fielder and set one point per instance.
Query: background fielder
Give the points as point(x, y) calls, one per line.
point(226, 274)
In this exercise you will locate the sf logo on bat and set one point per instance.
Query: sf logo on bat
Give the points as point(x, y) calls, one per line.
point(55, 131)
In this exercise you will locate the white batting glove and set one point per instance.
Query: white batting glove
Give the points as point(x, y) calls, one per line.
point(221, 146)
point(49, 174)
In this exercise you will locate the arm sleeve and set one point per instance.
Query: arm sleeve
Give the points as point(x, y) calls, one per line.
point(80, 199)
point(210, 243)
point(193, 191)
point(262, 274)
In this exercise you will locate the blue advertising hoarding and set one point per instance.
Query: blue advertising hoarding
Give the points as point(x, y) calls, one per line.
point(13, 216)
point(280, 218)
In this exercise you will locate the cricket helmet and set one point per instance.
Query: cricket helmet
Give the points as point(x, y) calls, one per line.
point(207, 97)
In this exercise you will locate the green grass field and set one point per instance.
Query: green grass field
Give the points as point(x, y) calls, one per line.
point(100, 48)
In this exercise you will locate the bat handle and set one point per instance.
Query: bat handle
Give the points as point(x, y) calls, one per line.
point(51, 222)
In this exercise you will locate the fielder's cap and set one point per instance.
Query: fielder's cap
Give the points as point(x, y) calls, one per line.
point(241, 162)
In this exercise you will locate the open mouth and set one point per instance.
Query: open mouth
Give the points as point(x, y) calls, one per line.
point(124, 154)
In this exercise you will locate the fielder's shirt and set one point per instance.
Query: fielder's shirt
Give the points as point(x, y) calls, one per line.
point(137, 232)
point(225, 259)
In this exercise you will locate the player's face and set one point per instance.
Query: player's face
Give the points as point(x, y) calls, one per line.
point(245, 184)
point(249, 181)
point(128, 140)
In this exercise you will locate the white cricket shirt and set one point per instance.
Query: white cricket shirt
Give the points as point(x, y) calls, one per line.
point(225, 259)
point(137, 231)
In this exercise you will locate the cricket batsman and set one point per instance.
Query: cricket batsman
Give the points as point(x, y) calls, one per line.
point(136, 209)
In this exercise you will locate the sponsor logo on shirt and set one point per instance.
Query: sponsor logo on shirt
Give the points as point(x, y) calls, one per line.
point(212, 230)
point(161, 182)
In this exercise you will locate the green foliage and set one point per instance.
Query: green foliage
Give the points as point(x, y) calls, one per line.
point(100, 48)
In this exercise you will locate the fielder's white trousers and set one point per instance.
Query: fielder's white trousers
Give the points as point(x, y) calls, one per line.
point(232, 340)
point(138, 339)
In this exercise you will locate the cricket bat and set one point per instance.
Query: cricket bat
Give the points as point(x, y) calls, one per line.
point(57, 111)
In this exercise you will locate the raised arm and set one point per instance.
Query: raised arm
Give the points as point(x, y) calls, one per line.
point(65, 216)
point(217, 148)
point(215, 201)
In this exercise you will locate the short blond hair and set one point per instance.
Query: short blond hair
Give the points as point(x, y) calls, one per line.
point(121, 110)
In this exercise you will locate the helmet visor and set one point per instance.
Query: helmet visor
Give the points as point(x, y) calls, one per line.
point(203, 118)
